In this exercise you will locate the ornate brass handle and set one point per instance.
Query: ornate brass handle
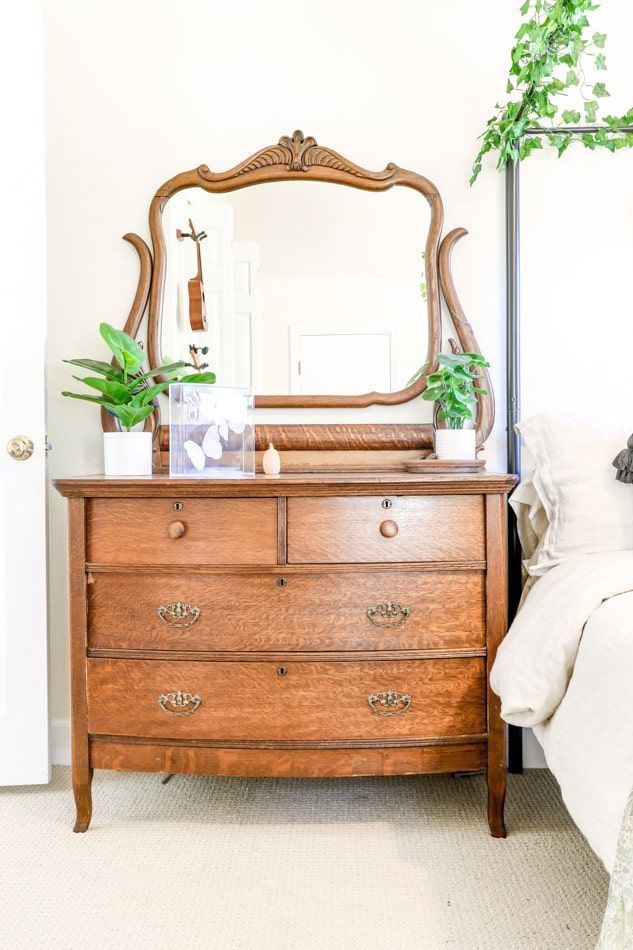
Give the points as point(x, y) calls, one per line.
point(178, 614)
point(179, 703)
point(394, 614)
point(389, 703)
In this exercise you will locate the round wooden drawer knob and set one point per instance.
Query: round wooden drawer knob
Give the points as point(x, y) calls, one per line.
point(176, 530)
point(389, 529)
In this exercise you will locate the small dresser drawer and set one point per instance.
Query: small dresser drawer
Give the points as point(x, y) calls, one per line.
point(378, 529)
point(294, 701)
point(286, 611)
point(158, 531)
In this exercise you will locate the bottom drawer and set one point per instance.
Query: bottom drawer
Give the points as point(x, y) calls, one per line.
point(294, 701)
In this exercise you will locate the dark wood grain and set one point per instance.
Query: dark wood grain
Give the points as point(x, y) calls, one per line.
point(81, 770)
point(300, 763)
point(282, 656)
point(496, 623)
point(335, 436)
point(311, 701)
point(289, 484)
point(206, 531)
point(252, 612)
point(314, 718)
point(360, 529)
point(405, 567)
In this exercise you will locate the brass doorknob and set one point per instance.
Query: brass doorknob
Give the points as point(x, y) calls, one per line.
point(176, 530)
point(389, 529)
point(20, 448)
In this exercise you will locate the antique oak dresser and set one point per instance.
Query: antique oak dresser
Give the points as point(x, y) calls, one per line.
point(326, 625)
point(337, 620)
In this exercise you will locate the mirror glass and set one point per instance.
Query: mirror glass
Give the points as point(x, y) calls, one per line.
point(309, 288)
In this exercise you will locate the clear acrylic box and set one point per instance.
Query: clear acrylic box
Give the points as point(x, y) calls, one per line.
point(211, 431)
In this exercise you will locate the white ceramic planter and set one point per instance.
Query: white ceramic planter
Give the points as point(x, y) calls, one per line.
point(455, 443)
point(127, 454)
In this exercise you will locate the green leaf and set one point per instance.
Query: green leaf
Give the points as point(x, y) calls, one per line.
point(588, 140)
point(97, 366)
point(432, 393)
point(591, 109)
point(145, 395)
point(571, 117)
point(601, 61)
point(161, 370)
point(115, 391)
point(599, 40)
point(99, 400)
point(525, 7)
point(131, 416)
point(198, 378)
point(128, 354)
point(600, 90)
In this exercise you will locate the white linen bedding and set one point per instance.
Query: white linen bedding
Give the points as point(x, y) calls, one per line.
point(566, 669)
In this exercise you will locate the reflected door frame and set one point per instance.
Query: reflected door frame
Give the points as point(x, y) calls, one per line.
point(297, 333)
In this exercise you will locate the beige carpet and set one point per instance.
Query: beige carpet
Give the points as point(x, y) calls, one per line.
point(403, 863)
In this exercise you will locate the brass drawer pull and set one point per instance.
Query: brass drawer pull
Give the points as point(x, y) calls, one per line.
point(394, 614)
point(179, 703)
point(389, 703)
point(178, 614)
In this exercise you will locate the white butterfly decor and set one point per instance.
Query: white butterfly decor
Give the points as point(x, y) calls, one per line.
point(211, 445)
point(230, 417)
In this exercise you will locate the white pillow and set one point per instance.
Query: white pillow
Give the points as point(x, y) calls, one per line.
point(577, 506)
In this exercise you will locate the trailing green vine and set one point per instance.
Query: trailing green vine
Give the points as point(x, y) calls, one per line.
point(555, 55)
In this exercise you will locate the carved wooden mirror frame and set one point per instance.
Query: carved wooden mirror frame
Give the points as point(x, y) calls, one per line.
point(300, 158)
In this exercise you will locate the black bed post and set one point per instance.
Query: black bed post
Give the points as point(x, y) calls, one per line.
point(513, 393)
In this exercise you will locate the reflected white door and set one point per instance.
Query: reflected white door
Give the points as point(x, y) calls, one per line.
point(247, 330)
point(23, 628)
point(348, 361)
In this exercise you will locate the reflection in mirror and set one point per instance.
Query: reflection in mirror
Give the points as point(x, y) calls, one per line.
point(309, 288)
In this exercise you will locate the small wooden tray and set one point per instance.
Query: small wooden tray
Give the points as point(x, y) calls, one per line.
point(432, 465)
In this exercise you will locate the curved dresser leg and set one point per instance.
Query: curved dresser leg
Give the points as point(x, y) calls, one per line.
point(496, 799)
point(82, 790)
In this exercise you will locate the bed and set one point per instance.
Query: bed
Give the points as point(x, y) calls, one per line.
point(565, 668)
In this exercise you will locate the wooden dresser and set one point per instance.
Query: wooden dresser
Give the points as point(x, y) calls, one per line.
point(301, 625)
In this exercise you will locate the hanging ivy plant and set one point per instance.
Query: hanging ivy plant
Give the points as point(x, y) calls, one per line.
point(555, 54)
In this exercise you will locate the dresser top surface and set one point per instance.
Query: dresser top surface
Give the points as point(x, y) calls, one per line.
point(318, 483)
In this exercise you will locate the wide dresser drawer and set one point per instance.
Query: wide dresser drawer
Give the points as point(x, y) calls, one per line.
point(135, 531)
point(377, 529)
point(286, 611)
point(291, 701)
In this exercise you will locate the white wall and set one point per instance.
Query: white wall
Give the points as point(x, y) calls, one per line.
point(141, 89)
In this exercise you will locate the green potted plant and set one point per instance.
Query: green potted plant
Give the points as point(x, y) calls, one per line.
point(454, 387)
point(127, 392)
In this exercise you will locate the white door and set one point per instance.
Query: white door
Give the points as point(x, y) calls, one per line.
point(342, 361)
point(23, 630)
point(247, 329)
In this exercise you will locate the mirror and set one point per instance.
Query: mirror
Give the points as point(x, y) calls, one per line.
point(309, 288)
